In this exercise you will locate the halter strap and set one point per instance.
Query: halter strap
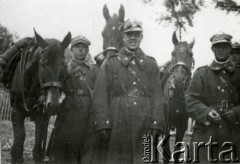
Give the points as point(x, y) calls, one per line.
point(110, 48)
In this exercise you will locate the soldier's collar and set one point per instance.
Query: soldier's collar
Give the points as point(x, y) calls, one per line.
point(217, 66)
point(126, 56)
point(81, 62)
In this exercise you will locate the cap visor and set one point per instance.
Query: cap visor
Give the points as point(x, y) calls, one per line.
point(133, 29)
point(220, 41)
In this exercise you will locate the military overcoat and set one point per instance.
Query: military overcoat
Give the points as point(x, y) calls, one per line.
point(211, 88)
point(128, 101)
point(72, 123)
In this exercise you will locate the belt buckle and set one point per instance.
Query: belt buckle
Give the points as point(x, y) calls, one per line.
point(134, 93)
point(79, 92)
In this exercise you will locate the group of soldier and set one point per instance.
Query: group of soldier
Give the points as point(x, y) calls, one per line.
point(109, 107)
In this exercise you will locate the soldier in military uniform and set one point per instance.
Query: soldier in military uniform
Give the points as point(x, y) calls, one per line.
point(72, 123)
point(235, 53)
point(213, 102)
point(127, 99)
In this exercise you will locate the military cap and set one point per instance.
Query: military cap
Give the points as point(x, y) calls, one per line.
point(131, 25)
point(80, 39)
point(235, 45)
point(221, 38)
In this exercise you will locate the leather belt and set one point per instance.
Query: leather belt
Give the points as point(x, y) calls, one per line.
point(135, 93)
point(78, 92)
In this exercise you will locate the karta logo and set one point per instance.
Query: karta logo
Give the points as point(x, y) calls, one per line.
point(155, 149)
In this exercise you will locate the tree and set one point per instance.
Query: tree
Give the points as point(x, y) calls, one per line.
point(228, 5)
point(5, 38)
point(179, 12)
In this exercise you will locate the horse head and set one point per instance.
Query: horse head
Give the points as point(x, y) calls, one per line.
point(52, 69)
point(182, 63)
point(112, 39)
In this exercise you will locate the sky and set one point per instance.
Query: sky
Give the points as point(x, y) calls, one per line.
point(55, 18)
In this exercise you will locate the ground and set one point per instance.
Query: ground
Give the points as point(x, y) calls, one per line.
point(7, 140)
point(6, 133)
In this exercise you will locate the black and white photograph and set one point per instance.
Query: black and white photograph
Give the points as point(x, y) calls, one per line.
point(119, 81)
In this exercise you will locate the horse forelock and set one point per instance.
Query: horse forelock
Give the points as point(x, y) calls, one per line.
point(55, 49)
point(111, 34)
point(182, 47)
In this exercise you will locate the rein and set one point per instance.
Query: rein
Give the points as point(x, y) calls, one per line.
point(23, 61)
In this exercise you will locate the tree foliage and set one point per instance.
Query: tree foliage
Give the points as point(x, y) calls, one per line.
point(179, 12)
point(228, 5)
point(5, 38)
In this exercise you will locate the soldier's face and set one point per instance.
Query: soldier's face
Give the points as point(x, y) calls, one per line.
point(80, 50)
point(222, 51)
point(235, 55)
point(132, 39)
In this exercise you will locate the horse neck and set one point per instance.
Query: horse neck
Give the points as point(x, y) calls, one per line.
point(110, 53)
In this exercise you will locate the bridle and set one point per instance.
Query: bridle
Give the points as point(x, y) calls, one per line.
point(51, 83)
point(186, 80)
point(43, 86)
point(110, 49)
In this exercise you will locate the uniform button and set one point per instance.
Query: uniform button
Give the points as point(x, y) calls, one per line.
point(134, 83)
point(155, 122)
point(220, 126)
point(135, 103)
point(107, 122)
point(222, 90)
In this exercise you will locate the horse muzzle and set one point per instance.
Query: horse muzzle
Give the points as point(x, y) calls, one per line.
point(52, 100)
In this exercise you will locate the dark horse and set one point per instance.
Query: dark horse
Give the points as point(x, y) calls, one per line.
point(112, 37)
point(35, 91)
point(175, 78)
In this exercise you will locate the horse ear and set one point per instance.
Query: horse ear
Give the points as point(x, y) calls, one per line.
point(174, 38)
point(106, 12)
point(192, 43)
point(66, 41)
point(40, 41)
point(121, 13)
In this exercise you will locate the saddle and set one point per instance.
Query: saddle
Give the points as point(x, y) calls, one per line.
point(14, 55)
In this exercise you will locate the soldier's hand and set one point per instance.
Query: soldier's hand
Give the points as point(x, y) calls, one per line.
point(230, 116)
point(213, 116)
point(104, 135)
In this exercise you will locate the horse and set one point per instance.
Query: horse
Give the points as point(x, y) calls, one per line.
point(112, 36)
point(175, 78)
point(35, 91)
